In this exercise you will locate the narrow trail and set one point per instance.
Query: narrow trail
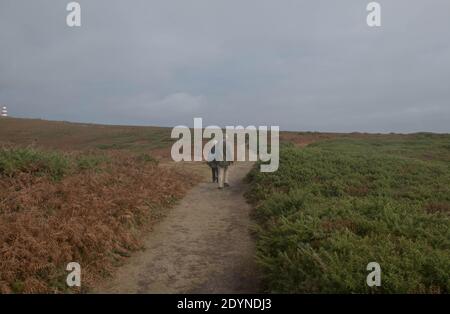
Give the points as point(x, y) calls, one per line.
point(202, 246)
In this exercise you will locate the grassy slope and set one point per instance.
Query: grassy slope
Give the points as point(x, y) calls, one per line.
point(356, 175)
point(339, 204)
point(79, 136)
point(76, 192)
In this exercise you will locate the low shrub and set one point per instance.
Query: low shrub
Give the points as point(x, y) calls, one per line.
point(55, 210)
point(25, 160)
point(337, 205)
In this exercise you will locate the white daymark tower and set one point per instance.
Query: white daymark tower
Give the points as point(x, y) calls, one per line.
point(4, 111)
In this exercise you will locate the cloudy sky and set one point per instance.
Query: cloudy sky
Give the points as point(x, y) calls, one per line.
point(303, 65)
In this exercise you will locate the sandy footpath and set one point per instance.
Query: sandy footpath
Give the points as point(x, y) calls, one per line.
point(202, 246)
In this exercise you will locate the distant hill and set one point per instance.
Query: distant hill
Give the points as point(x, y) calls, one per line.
point(81, 136)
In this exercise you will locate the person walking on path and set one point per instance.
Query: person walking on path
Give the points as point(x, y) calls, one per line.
point(222, 151)
point(213, 164)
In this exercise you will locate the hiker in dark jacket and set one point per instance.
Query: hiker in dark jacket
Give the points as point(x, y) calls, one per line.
point(213, 163)
point(222, 163)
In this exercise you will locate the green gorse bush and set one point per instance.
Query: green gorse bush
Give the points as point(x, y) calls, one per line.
point(337, 205)
point(14, 161)
point(53, 164)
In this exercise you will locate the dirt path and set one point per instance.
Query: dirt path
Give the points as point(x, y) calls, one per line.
point(202, 246)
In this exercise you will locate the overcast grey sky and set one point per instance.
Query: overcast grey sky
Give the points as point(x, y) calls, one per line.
point(303, 65)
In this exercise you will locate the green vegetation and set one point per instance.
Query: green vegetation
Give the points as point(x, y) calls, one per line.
point(14, 161)
point(146, 158)
point(337, 205)
point(90, 161)
point(80, 136)
point(54, 164)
